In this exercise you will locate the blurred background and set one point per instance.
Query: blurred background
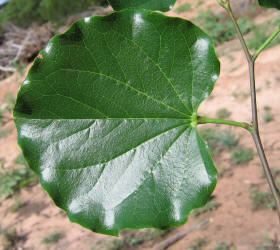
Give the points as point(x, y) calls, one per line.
point(241, 213)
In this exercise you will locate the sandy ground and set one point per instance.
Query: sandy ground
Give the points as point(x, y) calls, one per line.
point(234, 221)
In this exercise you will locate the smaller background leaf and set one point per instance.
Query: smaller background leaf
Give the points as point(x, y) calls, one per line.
point(270, 3)
point(162, 5)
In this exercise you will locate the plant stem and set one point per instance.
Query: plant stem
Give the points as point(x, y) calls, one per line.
point(204, 120)
point(255, 126)
point(227, 7)
point(267, 171)
point(256, 136)
point(266, 43)
point(253, 96)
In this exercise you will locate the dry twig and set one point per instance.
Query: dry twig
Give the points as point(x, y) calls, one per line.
point(173, 239)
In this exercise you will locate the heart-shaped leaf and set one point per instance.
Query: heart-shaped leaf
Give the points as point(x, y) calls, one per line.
point(270, 3)
point(107, 118)
point(162, 5)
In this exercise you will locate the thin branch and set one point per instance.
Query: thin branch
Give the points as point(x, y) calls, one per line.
point(22, 46)
point(173, 239)
point(254, 108)
point(268, 174)
point(266, 43)
point(227, 7)
point(256, 136)
point(255, 131)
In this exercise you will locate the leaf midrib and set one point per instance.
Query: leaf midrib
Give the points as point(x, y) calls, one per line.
point(101, 119)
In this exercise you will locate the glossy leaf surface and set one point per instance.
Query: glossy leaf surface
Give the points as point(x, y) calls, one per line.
point(162, 5)
point(107, 118)
point(270, 3)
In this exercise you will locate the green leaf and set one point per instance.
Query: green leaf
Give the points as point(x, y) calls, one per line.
point(107, 118)
point(162, 5)
point(270, 3)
